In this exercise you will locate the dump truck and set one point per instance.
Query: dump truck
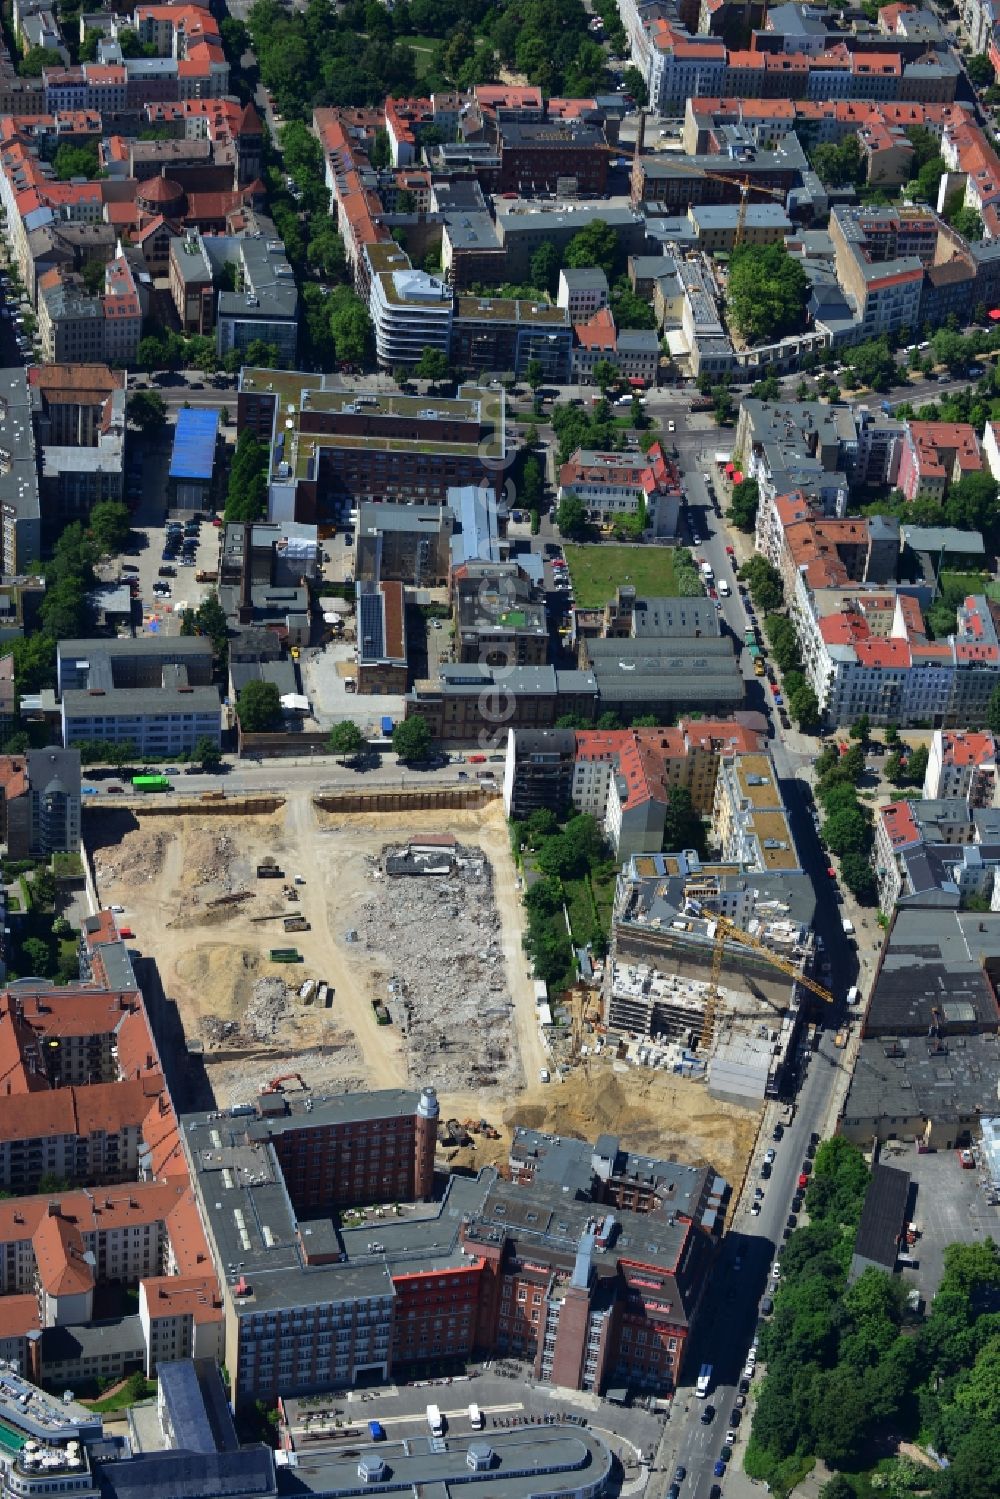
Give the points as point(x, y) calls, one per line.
point(295, 924)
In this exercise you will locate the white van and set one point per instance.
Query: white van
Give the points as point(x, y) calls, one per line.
point(434, 1421)
point(724, 589)
point(853, 995)
point(475, 1418)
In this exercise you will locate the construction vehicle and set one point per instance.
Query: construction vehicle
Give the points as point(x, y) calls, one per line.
point(728, 931)
point(296, 924)
point(269, 870)
point(277, 1084)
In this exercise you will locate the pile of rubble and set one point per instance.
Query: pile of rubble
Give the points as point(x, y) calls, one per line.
point(269, 1003)
point(211, 857)
point(447, 989)
point(137, 859)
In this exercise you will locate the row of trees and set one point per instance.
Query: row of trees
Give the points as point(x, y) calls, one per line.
point(847, 822)
point(246, 494)
point(66, 611)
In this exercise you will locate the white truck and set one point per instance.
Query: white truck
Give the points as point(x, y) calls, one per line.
point(435, 1421)
point(475, 1418)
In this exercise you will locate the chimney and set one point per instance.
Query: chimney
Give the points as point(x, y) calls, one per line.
point(246, 592)
point(640, 136)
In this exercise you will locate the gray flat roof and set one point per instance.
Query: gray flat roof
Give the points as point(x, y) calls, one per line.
point(18, 476)
point(933, 959)
point(140, 702)
point(901, 1078)
point(553, 1460)
point(146, 645)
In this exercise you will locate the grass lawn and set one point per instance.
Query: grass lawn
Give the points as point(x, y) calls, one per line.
point(581, 910)
point(423, 52)
point(597, 571)
point(967, 582)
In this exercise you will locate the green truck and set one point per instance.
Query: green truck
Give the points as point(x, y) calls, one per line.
point(749, 636)
point(150, 783)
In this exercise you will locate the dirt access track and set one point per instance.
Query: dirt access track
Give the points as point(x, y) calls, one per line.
point(213, 963)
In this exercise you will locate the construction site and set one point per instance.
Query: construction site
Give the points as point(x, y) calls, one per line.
point(692, 990)
point(288, 946)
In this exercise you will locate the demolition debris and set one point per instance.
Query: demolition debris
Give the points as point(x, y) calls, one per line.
point(433, 918)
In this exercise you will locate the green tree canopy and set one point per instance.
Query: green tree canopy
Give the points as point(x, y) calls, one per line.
point(207, 753)
point(246, 496)
point(743, 510)
point(76, 161)
point(764, 582)
point(345, 739)
point(544, 267)
point(411, 739)
point(767, 292)
point(596, 245)
point(571, 518)
point(432, 365)
point(350, 325)
point(258, 708)
point(682, 826)
point(147, 410)
point(109, 526)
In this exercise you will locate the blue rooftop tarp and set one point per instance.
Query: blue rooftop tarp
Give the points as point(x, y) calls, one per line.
point(193, 456)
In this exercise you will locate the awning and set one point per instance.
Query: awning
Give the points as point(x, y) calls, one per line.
point(730, 470)
point(738, 477)
point(721, 459)
point(995, 314)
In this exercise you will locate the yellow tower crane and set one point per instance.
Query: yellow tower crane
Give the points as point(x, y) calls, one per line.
point(726, 930)
point(744, 183)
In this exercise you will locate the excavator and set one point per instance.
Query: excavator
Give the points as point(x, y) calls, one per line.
point(728, 931)
point(277, 1084)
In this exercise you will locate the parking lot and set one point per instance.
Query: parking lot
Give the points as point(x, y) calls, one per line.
point(141, 564)
point(632, 1431)
point(951, 1208)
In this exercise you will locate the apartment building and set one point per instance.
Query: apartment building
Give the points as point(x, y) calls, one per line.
point(962, 765)
point(20, 507)
point(407, 542)
point(612, 485)
point(582, 292)
point(932, 1009)
point(881, 257)
point(381, 656)
point(79, 328)
point(474, 703)
point(935, 455)
point(84, 1100)
point(870, 653)
point(749, 821)
point(499, 616)
point(542, 155)
point(332, 448)
point(539, 770)
point(80, 422)
point(410, 309)
point(936, 853)
point(496, 334)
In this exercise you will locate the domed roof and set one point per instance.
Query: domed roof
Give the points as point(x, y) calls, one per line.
point(160, 192)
